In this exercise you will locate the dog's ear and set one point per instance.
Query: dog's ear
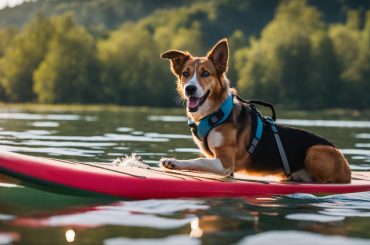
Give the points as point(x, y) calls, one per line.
point(219, 55)
point(178, 59)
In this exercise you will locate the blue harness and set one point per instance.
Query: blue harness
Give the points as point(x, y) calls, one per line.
point(206, 124)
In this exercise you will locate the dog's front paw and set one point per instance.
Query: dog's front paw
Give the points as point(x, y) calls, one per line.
point(169, 163)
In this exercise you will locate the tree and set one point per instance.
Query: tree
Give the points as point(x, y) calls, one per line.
point(132, 73)
point(278, 64)
point(23, 57)
point(325, 86)
point(6, 38)
point(236, 41)
point(69, 73)
point(352, 48)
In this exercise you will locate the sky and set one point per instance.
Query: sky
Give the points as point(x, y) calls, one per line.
point(11, 3)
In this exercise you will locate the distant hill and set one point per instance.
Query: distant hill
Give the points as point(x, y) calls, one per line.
point(99, 15)
point(93, 14)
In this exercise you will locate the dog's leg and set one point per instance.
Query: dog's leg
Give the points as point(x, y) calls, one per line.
point(327, 164)
point(209, 165)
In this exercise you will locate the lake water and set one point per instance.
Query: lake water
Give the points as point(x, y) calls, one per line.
point(32, 216)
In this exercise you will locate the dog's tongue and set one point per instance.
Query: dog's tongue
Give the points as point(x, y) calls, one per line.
point(193, 102)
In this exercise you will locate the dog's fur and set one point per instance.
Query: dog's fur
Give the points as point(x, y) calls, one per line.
point(228, 142)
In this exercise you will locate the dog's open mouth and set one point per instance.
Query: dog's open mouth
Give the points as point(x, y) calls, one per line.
point(195, 102)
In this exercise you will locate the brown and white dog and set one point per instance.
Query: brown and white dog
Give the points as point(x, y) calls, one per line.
point(202, 82)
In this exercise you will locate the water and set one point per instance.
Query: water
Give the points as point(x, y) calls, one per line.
point(31, 216)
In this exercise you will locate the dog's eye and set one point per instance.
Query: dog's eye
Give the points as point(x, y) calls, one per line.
point(185, 74)
point(204, 74)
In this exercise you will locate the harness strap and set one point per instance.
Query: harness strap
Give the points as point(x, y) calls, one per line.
point(280, 146)
point(259, 102)
point(257, 136)
point(271, 122)
point(207, 123)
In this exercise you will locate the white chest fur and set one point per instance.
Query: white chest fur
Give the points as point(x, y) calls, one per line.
point(215, 139)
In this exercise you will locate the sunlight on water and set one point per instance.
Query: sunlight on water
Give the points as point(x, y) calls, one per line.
point(363, 136)
point(314, 217)
point(302, 238)
point(194, 150)
point(168, 118)
point(135, 213)
point(325, 123)
point(30, 116)
point(8, 238)
point(70, 235)
point(292, 122)
point(170, 240)
point(356, 152)
point(336, 206)
point(53, 151)
point(45, 124)
point(124, 129)
point(6, 217)
point(168, 136)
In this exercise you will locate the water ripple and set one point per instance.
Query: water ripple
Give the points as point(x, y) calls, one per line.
point(157, 214)
point(31, 116)
point(42, 135)
point(170, 240)
point(299, 237)
point(53, 151)
point(325, 123)
point(168, 118)
point(8, 237)
point(6, 217)
point(339, 205)
point(45, 124)
point(314, 217)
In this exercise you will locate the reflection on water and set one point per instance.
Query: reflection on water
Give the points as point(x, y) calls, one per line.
point(8, 237)
point(70, 235)
point(158, 214)
point(314, 217)
point(35, 217)
point(170, 240)
point(297, 237)
point(325, 123)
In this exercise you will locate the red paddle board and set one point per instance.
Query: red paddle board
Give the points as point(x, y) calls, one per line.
point(146, 183)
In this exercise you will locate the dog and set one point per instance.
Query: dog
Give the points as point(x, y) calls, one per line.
point(234, 137)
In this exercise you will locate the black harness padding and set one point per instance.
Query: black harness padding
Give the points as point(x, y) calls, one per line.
point(279, 146)
point(295, 142)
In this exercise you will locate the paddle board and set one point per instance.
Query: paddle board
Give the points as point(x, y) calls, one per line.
point(152, 182)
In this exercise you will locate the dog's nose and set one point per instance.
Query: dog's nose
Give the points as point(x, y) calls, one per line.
point(190, 90)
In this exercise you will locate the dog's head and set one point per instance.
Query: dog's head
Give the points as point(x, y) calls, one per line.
point(201, 80)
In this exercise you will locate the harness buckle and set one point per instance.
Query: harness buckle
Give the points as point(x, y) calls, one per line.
point(216, 117)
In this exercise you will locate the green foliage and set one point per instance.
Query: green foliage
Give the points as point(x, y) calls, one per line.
point(237, 41)
point(131, 73)
point(324, 73)
point(299, 63)
point(69, 72)
point(22, 57)
point(276, 68)
point(352, 47)
point(6, 38)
